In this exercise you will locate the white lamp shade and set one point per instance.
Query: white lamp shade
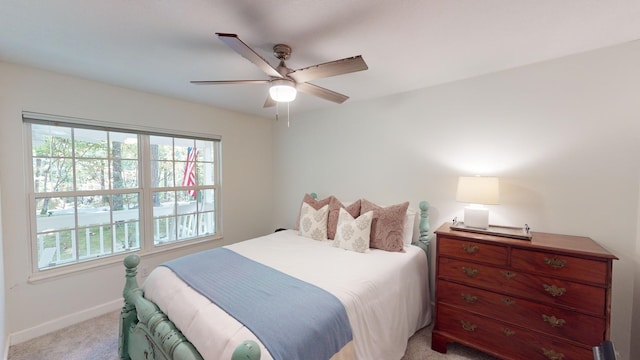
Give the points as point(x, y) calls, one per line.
point(478, 190)
point(282, 90)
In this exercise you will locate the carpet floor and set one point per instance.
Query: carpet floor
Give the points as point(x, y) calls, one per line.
point(97, 339)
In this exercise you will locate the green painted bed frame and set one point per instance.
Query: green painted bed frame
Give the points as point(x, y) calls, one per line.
point(146, 333)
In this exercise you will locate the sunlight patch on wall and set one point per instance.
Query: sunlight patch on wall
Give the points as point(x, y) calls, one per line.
point(493, 155)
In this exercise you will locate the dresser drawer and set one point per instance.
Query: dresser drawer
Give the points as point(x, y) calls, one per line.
point(483, 252)
point(576, 296)
point(554, 321)
point(560, 265)
point(514, 342)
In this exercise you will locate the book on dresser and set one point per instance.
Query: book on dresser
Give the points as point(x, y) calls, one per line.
point(544, 298)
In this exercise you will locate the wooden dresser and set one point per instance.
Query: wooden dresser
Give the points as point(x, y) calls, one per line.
point(547, 298)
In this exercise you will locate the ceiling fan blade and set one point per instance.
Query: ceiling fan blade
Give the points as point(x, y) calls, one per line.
point(332, 68)
point(243, 49)
point(269, 102)
point(219, 82)
point(322, 92)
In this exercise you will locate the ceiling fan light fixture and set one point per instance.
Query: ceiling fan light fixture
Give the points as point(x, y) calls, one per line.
point(282, 90)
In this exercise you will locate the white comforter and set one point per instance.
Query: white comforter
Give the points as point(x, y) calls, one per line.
point(385, 294)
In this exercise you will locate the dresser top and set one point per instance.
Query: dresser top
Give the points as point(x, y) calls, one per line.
point(539, 240)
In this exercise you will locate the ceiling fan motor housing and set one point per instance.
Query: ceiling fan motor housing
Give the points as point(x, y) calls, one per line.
point(281, 51)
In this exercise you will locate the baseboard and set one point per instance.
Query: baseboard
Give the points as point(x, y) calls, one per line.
point(62, 322)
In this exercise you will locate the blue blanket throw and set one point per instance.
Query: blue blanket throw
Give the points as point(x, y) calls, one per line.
point(293, 319)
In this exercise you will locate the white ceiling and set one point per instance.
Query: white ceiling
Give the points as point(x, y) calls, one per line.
point(158, 46)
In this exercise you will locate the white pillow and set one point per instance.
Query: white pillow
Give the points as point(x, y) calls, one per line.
point(313, 223)
point(353, 234)
point(409, 225)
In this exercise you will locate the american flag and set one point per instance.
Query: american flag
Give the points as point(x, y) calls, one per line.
point(189, 178)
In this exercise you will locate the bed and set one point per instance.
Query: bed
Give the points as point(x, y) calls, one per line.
point(384, 294)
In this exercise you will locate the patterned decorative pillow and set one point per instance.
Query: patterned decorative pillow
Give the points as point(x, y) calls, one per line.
point(316, 204)
point(313, 223)
point(353, 234)
point(387, 227)
point(334, 209)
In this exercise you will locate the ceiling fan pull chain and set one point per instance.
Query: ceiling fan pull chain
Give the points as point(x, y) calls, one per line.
point(288, 124)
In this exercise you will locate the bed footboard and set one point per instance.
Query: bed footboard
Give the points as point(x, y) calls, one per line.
point(146, 333)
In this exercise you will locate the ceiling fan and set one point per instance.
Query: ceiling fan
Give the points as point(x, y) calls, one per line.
point(285, 81)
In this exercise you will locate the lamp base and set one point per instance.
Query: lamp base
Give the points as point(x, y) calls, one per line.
point(476, 217)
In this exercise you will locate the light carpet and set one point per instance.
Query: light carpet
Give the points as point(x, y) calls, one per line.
point(97, 339)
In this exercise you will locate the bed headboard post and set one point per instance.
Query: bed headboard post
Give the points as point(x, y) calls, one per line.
point(424, 238)
point(424, 221)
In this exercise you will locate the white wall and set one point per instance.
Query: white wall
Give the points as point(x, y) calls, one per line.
point(33, 309)
point(563, 136)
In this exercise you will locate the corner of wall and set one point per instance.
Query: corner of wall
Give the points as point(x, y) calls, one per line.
point(4, 343)
point(634, 351)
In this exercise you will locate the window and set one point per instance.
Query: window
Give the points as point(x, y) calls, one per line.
point(98, 191)
point(178, 213)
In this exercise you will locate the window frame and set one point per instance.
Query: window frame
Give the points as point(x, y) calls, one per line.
point(144, 189)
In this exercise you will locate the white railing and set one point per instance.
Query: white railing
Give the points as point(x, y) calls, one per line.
point(187, 226)
point(62, 254)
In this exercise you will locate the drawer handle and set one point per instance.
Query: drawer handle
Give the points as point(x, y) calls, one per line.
point(468, 298)
point(552, 354)
point(555, 262)
point(554, 290)
point(470, 249)
point(470, 272)
point(468, 325)
point(508, 274)
point(553, 321)
point(508, 301)
point(508, 332)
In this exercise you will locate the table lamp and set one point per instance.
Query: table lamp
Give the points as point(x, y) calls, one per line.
point(477, 191)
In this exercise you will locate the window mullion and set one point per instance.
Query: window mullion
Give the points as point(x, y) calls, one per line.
point(74, 233)
point(147, 193)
